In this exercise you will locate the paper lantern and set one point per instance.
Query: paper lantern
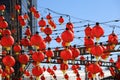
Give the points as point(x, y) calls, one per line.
point(23, 58)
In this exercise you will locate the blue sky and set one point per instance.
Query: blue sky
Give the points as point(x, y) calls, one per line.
point(96, 10)
point(93, 10)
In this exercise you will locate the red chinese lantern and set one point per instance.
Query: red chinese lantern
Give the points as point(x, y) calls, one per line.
point(82, 58)
point(28, 32)
point(25, 42)
point(78, 78)
point(112, 71)
point(52, 24)
point(88, 42)
point(7, 41)
point(48, 38)
point(23, 58)
point(94, 68)
point(111, 60)
point(75, 52)
point(113, 39)
point(8, 61)
point(36, 39)
point(42, 23)
point(27, 73)
point(1, 70)
point(65, 34)
point(3, 24)
point(69, 25)
point(61, 20)
point(22, 22)
point(96, 50)
point(2, 7)
point(17, 7)
point(49, 16)
point(49, 53)
point(20, 17)
point(33, 9)
point(9, 70)
point(42, 46)
point(55, 67)
point(37, 71)
point(66, 76)
point(6, 32)
point(2, 18)
point(42, 77)
point(48, 30)
point(17, 48)
point(88, 32)
point(38, 56)
point(63, 67)
point(97, 31)
point(118, 65)
point(25, 16)
point(66, 54)
point(58, 39)
point(36, 14)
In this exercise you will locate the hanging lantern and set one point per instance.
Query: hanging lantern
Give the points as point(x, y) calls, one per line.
point(27, 73)
point(17, 48)
point(25, 16)
point(66, 76)
point(118, 65)
point(7, 41)
point(8, 61)
point(82, 58)
point(66, 54)
point(65, 34)
point(36, 40)
point(2, 7)
point(3, 24)
point(37, 71)
point(22, 22)
point(33, 9)
point(97, 31)
point(43, 77)
point(113, 39)
point(23, 58)
point(48, 30)
point(94, 68)
point(58, 39)
point(48, 39)
point(78, 78)
point(6, 32)
point(48, 17)
point(96, 50)
point(55, 67)
point(111, 60)
point(70, 26)
point(2, 18)
point(25, 42)
point(36, 14)
point(61, 20)
point(52, 24)
point(63, 67)
point(17, 7)
point(28, 32)
point(49, 53)
point(9, 70)
point(42, 46)
point(88, 32)
point(38, 56)
point(89, 43)
point(20, 17)
point(42, 24)
point(75, 52)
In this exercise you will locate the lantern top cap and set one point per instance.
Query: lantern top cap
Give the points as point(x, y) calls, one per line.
point(97, 23)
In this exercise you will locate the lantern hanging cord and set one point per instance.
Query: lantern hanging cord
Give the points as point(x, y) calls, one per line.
point(59, 13)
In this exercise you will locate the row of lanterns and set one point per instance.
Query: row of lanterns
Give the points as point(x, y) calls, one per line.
point(39, 44)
